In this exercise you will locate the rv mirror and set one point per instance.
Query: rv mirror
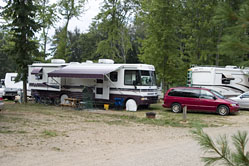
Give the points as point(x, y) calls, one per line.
point(241, 97)
point(215, 98)
point(135, 84)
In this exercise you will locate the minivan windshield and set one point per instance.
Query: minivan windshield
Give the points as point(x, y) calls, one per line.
point(217, 94)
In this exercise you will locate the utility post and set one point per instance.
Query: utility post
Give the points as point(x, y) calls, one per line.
point(184, 113)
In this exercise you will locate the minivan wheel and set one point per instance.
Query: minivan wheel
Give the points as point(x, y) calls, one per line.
point(176, 107)
point(223, 110)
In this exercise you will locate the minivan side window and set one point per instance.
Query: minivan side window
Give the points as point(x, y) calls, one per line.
point(206, 95)
point(191, 93)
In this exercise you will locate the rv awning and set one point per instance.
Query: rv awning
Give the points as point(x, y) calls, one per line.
point(84, 71)
point(36, 70)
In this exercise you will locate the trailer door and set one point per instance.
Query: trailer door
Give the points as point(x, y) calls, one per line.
point(102, 89)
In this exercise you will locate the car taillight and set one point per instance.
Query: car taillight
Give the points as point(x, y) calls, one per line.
point(1, 98)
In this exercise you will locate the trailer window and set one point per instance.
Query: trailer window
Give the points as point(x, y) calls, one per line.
point(114, 76)
point(226, 79)
point(13, 78)
point(38, 76)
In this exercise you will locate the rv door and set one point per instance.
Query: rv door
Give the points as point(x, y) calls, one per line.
point(102, 89)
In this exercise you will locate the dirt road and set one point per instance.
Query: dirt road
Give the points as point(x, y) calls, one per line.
point(74, 141)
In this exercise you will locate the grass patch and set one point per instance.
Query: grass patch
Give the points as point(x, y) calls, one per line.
point(56, 149)
point(49, 133)
point(6, 131)
point(21, 114)
point(115, 122)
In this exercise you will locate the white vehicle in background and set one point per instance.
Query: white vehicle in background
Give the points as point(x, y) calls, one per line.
point(1, 98)
point(130, 85)
point(11, 88)
point(243, 100)
point(230, 81)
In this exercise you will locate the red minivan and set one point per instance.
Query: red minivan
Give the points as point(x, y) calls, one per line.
point(198, 99)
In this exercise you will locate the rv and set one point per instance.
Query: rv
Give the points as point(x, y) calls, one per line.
point(11, 87)
point(229, 80)
point(132, 84)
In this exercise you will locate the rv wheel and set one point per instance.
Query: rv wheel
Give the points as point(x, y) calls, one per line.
point(131, 105)
point(223, 110)
point(62, 98)
point(176, 107)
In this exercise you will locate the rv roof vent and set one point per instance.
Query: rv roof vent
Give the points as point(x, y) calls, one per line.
point(58, 61)
point(231, 67)
point(89, 61)
point(106, 61)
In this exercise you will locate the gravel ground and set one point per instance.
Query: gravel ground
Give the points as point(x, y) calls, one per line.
point(99, 144)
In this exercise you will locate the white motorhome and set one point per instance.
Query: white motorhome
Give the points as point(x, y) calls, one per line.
point(228, 80)
point(134, 84)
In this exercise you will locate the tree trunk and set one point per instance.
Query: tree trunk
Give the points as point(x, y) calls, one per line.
point(24, 91)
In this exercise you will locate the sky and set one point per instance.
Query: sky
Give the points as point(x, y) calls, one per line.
point(92, 8)
point(83, 22)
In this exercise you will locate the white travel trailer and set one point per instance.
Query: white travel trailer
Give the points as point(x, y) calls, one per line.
point(133, 84)
point(10, 86)
point(229, 80)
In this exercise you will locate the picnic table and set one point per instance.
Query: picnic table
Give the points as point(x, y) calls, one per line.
point(71, 102)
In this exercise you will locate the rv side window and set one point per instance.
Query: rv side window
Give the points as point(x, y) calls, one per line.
point(131, 77)
point(99, 81)
point(99, 91)
point(114, 76)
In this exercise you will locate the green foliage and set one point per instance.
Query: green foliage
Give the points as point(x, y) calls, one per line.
point(198, 34)
point(47, 16)
point(21, 18)
point(220, 151)
point(112, 22)
point(68, 9)
point(234, 42)
point(160, 46)
point(5, 57)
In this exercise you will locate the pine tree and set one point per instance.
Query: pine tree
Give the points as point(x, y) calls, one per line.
point(220, 152)
point(21, 16)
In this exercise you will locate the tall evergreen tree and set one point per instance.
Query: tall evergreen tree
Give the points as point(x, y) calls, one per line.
point(47, 16)
point(198, 34)
point(68, 9)
point(112, 22)
point(234, 45)
point(21, 16)
point(160, 46)
point(6, 61)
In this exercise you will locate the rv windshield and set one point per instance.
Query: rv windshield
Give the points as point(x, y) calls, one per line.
point(217, 94)
point(140, 77)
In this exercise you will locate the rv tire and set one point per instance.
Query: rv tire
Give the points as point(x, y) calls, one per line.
point(223, 110)
point(176, 107)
